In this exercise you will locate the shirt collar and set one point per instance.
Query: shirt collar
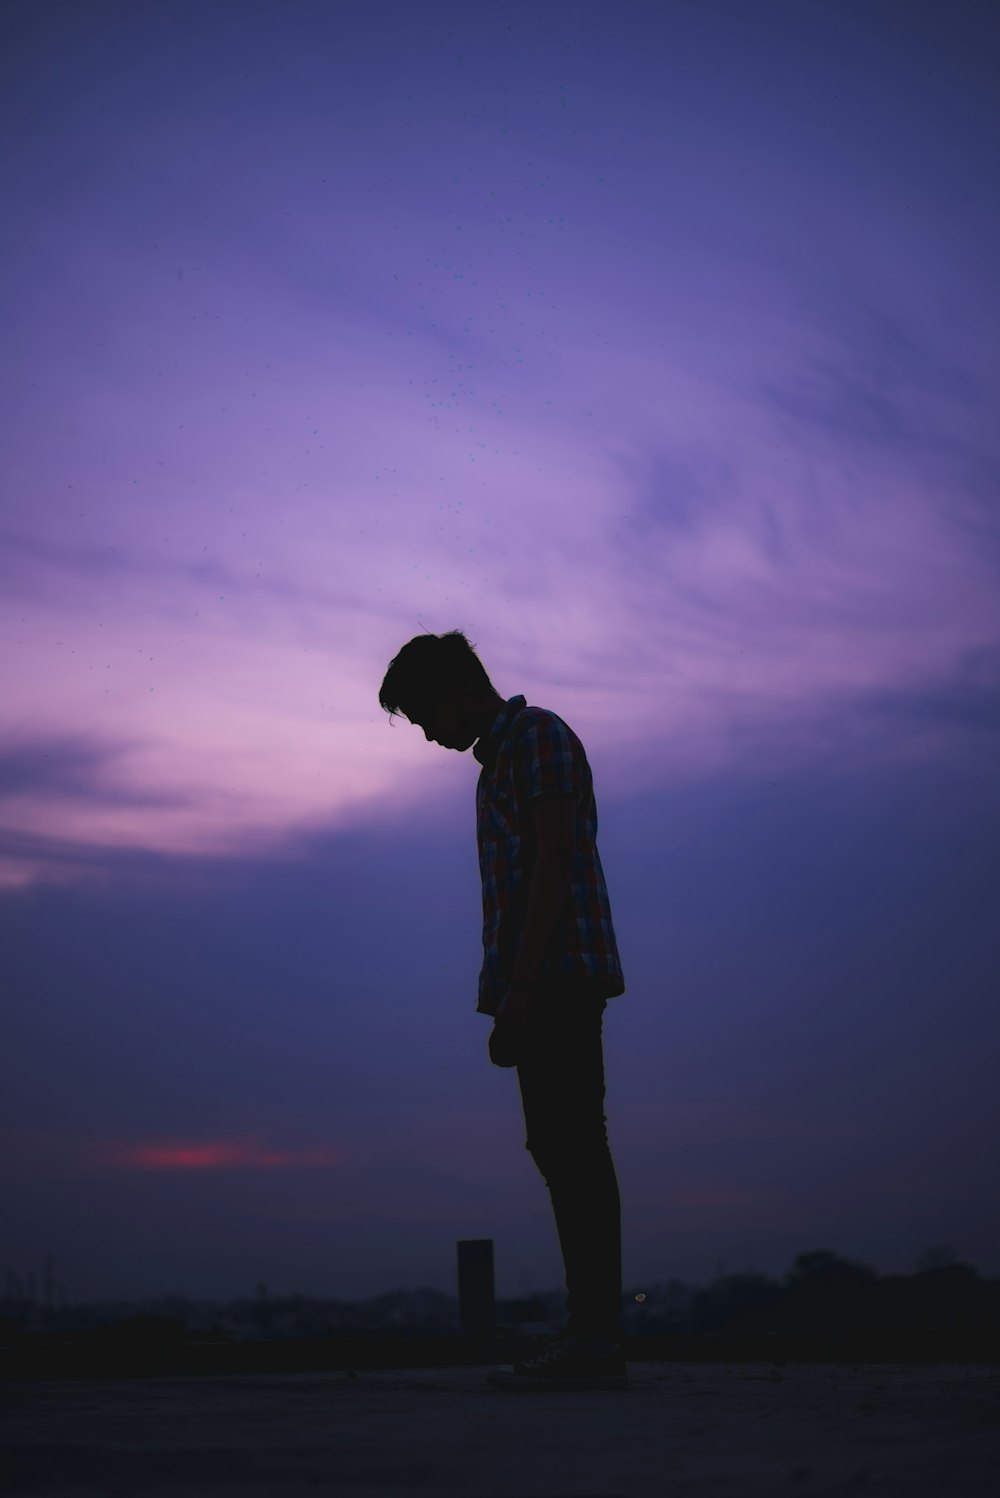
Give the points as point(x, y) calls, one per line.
point(487, 745)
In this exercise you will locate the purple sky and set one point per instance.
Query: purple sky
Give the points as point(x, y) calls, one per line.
point(655, 347)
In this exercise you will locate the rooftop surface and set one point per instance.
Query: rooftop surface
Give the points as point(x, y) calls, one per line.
point(751, 1430)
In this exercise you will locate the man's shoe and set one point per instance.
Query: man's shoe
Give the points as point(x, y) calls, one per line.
point(565, 1365)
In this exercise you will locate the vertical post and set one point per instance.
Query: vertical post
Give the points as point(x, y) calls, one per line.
point(476, 1301)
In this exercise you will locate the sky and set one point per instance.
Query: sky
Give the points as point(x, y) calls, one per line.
point(652, 346)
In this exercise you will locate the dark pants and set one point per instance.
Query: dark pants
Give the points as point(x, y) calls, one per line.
point(561, 1077)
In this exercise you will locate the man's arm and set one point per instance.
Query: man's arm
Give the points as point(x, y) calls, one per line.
point(555, 834)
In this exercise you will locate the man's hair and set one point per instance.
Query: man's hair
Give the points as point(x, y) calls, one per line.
point(429, 668)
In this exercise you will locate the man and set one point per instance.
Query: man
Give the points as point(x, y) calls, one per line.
point(550, 964)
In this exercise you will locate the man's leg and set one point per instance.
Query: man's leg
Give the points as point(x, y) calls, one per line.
point(561, 1077)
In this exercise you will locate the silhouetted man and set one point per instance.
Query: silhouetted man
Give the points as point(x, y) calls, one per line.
point(550, 964)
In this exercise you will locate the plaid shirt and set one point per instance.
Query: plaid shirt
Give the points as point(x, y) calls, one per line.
point(531, 753)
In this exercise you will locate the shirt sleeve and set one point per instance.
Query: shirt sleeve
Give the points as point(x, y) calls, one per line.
point(548, 759)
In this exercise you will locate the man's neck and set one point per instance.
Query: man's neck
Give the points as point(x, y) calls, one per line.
point(486, 715)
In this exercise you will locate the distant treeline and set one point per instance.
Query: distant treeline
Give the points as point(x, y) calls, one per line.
point(821, 1293)
point(824, 1292)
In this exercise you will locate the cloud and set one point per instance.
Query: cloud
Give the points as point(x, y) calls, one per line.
point(968, 704)
point(63, 765)
point(708, 495)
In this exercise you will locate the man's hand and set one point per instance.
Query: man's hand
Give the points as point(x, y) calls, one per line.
point(509, 1026)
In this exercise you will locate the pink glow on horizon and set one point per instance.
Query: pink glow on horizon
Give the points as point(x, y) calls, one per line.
point(212, 1155)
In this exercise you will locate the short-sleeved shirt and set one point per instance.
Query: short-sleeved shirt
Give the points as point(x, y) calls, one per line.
point(530, 753)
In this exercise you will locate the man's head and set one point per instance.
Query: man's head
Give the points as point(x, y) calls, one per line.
point(439, 683)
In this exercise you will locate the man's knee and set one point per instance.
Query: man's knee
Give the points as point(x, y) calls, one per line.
point(567, 1154)
point(547, 1152)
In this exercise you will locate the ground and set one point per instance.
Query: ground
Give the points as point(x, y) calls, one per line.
point(752, 1430)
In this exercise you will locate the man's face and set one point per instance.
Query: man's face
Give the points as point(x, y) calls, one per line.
point(447, 722)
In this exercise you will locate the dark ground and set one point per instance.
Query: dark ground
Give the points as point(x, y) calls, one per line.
point(752, 1430)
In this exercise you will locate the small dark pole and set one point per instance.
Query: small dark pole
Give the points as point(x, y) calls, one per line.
point(476, 1300)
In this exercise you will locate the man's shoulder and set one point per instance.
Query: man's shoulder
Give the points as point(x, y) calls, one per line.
point(544, 719)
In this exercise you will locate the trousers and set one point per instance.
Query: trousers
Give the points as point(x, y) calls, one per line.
point(560, 1074)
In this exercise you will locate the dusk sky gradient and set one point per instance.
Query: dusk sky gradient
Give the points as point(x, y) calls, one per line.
point(655, 346)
